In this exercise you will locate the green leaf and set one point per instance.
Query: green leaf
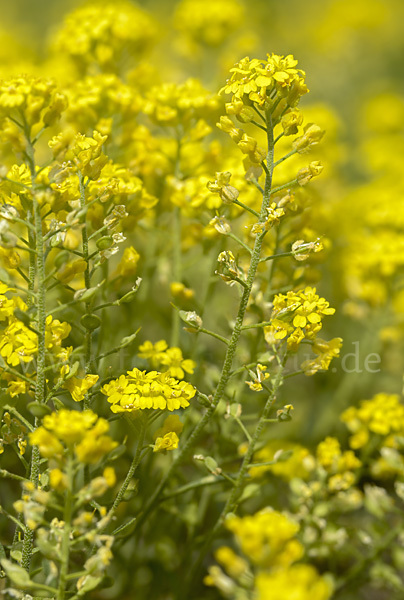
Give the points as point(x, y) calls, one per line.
point(17, 575)
point(89, 583)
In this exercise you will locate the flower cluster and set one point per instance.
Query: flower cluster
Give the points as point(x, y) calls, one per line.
point(101, 34)
point(70, 430)
point(159, 354)
point(325, 352)
point(36, 98)
point(171, 104)
point(268, 540)
point(260, 81)
point(299, 462)
point(141, 390)
point(383, 416)
point(340, 466)
point(297, 316)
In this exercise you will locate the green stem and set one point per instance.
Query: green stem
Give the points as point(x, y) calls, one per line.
point(67, 517)
point(291, 153)
point(132, 469)
point(88, 338)
point(41, 316)
point(289, 184)
point(236, 491)
point(236, 239)
point(247, 208)
point(233, 342)
point(8, 475)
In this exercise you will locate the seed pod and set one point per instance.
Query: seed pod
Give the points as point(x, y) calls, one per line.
point(105, 242)
point(90, 322)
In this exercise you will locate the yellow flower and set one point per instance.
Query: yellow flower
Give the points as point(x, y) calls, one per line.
point(48, 443)
point(141, 390)
point(383, 415)
point(168, 442)
point(17, 343)
point(70, 270)
point(37, 98)
point(325, 351)
point(176, 365)
point(255, 80)
point(79, 387)
point(259, 377)
point(234, 564)
point(299, 464)
point(298, 315)
point(58, 480)
point(83, 431)
point(128, 263)
point(180, 292)
point(153, 352)
point(55, 332)
point(94, 445)
point(312, 136)
point(267, 538)
point(171, 423)
point(298, 581)
point(87, 154)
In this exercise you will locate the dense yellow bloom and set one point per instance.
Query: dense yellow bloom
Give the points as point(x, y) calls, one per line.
point(255, 80)
point(36, 98)
point(95, 100)
point(300, 582)
point(340, 466)
point(141, 390)
point(18, 343)
point(297, 315)
point(267, 538)
point(83, 431)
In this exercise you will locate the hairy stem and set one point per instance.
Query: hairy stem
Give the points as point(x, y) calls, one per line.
point(88, 338)
point(39, 278)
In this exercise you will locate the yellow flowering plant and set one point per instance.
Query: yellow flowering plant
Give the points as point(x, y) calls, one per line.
point(184, 246)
